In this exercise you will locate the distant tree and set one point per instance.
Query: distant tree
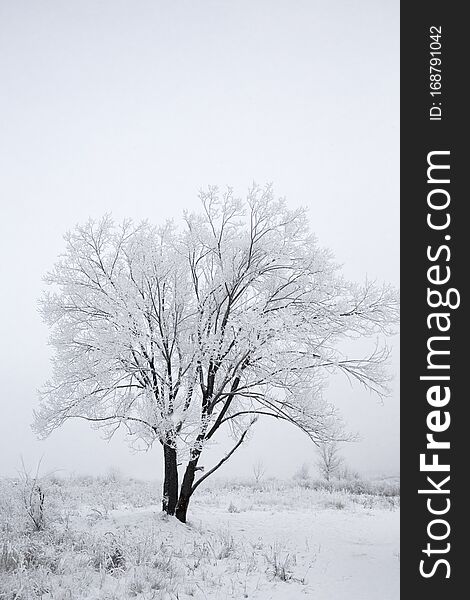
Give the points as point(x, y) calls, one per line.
point(177, 334)
point(259, 471)
point(302, 473)
point(330, 460)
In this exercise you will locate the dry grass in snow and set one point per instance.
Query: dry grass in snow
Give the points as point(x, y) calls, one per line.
point(106, 539)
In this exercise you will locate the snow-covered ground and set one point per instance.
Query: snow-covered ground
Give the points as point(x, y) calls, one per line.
point(107, 540)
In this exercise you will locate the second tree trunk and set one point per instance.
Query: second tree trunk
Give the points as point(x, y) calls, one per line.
point(170, 484)
point(186, 491)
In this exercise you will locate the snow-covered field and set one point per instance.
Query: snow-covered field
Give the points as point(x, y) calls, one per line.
point(107, 539)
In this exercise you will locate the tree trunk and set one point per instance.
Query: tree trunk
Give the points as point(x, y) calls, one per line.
point(170, 483)
point(186, 490)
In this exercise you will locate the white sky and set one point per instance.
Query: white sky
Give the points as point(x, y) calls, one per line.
point(130, 107)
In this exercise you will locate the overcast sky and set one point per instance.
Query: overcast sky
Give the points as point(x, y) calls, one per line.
point(131, 107)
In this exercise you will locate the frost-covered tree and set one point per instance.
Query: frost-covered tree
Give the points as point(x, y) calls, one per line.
point(329, 459)
point(178, 334)
point(259, 471)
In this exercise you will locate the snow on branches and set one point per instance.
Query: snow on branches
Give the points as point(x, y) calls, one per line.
point(175, 332)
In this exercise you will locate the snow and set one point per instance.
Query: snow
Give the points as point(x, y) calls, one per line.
point(340, 554)
point(273, 541)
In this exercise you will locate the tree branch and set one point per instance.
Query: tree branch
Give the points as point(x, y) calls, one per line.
point(221, 462)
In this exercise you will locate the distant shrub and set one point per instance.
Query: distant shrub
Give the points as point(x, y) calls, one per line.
point(302, 474)
point(232, 508)
point(335, 502)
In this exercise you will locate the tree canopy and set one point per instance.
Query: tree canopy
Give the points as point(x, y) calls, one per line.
point(175, 332)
